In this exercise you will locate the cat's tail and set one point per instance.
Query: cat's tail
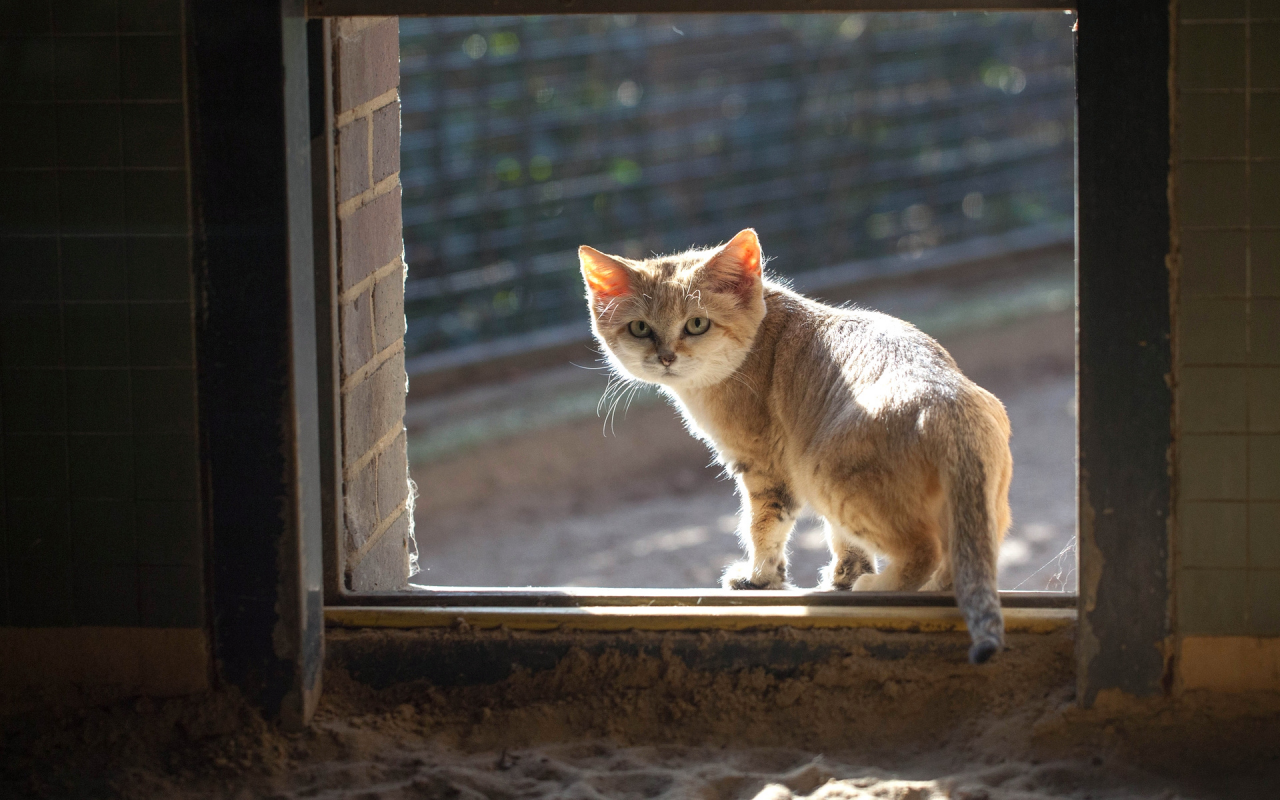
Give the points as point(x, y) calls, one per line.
point(977, 489)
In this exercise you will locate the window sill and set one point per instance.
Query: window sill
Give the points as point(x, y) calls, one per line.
point(683, 610)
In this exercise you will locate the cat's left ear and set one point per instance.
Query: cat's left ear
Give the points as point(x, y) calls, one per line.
point(736, 266)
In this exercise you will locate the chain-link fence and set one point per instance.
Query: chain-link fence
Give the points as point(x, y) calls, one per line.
point(855, 144)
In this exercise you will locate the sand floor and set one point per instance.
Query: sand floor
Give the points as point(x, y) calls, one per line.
point(217, 748)
point(636, 719)
point(591, 770)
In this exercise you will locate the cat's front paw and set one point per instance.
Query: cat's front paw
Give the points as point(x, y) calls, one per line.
point(743, 575)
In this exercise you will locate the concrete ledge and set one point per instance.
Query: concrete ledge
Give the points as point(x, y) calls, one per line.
point(90, 662)
point(1230, 663)
point(466, 656)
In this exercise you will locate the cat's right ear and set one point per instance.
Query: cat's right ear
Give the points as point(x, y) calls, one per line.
point(605, 276)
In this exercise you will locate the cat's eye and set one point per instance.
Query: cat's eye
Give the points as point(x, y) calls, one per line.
point(697, 326)
point(640, 329)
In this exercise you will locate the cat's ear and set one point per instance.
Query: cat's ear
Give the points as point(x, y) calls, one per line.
point(736, 266)
point(605, 276)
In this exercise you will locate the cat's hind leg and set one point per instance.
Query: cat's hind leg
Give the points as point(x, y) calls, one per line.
point(849, 561)
point(768, 515)
point(941, 580)
point(914, 553)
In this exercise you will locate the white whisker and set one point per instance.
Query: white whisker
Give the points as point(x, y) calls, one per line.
point(615, 383)
point(635, 389)
point(611, 416)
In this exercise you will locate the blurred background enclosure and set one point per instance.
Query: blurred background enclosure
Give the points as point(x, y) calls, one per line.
point(921, 164)
point(839, 138)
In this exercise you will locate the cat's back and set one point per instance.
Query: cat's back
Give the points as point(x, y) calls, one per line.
point(834, 365)
point(855, 344)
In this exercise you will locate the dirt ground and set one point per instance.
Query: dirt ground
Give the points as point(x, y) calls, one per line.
point(621, 727)
point(567, 498)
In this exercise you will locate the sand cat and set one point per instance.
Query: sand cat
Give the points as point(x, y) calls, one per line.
point(855, 413)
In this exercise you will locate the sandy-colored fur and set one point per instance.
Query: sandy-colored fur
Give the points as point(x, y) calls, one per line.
point(855, 413)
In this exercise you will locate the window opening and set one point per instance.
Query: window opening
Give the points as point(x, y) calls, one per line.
point(916, 163)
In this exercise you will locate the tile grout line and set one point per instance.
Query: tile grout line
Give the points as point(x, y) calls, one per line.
point(1228, 90)
point(1212, 228)
point(120, 169)
point(128, 376)
point(62, 314)
point(90, 34)
point(1229, 20)
point(1228, 159)
point(1248, 307)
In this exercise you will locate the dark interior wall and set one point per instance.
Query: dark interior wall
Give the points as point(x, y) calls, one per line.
point(1226, 190)
point(1228, 202)
point(99, 508)
point(155, 248)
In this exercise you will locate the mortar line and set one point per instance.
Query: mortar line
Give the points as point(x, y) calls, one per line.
point(349, 207)
point(356, 378)
point(369, 280)
point(376, 463)
point(374, 451)
point(366, 108)
point(374, 537)
point(373, 321)
point(368, 140)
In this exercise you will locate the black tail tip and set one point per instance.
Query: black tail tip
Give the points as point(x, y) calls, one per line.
point(982, 651)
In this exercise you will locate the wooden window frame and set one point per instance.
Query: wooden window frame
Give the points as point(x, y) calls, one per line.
point(1123, 355)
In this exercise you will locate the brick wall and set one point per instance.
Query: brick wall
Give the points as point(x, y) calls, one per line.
point(99, 495)
point(371, 271)
point(1227, 202)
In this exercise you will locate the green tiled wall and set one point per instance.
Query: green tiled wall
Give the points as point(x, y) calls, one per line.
point(99, 522)
point(1228, 211)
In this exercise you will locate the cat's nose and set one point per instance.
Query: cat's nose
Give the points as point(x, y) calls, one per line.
point(667, 359)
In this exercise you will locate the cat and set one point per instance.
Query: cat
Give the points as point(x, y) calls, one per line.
point(860, 415)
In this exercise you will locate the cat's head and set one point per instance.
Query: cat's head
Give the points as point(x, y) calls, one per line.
point(684, 321)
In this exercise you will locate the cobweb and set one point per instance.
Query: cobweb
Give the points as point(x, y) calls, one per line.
point(1063, 566)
